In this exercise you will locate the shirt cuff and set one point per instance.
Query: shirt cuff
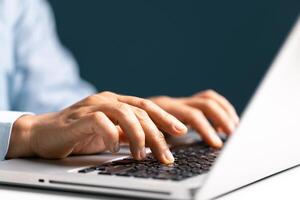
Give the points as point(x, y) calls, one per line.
point(7, 119)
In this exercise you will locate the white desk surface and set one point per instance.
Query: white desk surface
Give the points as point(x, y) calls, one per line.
point(285, 185)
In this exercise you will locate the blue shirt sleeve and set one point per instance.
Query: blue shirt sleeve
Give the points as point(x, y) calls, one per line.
point(5, 130)
point(48, 74)
point(45, 76)
point(7, 119)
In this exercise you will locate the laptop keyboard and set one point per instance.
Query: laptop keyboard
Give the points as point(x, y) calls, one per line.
point(190, 160)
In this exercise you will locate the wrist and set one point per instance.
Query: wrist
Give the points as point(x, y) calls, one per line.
point(19, 145)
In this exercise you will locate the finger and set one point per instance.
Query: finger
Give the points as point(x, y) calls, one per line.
point(224, 103)
point(196, 119)
point(215, 113)
point(162, 119)
point(98, 123)
point(123, 115)
point(154, 138)
point(127, 124)
point(219, 130)
point(122, 136)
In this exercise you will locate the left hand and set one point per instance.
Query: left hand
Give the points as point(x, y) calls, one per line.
point(207, 112)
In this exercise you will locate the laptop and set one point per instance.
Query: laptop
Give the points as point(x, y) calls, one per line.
point(266, 142)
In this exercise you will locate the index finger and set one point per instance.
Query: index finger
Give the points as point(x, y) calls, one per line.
point(154, 138)
point(161, 118)
point(222, 101)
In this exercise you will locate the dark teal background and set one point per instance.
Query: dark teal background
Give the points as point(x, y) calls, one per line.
point(147, 48)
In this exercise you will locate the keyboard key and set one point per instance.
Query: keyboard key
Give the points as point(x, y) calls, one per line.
point(190, 160)
point(87, 170)
point(105, 173)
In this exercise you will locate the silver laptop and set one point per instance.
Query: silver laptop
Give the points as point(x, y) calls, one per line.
point(266, 142)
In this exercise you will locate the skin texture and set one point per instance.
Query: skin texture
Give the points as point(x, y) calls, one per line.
point(101, 122)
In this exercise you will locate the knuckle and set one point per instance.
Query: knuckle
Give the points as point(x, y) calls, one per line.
point(107, 93)
point(142, 114)
point(164, 98)
point(75, 115)
point(195, 114)
point(168, 118)
point(160, 136)
point(91, 99)
point(96, 116)
point(208, 103)
point(145, 103)
point(157, 138)
point(166, 115)
point(210, 92)
point(122, 109)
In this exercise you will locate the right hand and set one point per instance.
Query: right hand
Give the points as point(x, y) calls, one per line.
point(94, 125)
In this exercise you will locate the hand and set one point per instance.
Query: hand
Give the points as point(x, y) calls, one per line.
point(207, 112)
point(96, 124)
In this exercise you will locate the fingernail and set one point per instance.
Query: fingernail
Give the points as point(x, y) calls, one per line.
point(116, 148)
point(168, 156)
point(217, 142)
point(142, 153)
point(179, 127)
